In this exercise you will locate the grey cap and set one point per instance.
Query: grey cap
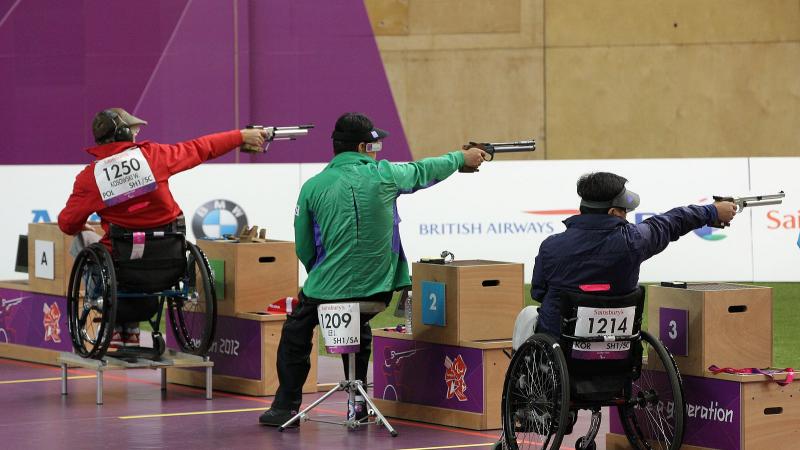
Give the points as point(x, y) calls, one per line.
point(105, 122)
point(627, 200)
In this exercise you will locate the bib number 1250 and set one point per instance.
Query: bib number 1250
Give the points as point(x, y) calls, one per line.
point(121, 169)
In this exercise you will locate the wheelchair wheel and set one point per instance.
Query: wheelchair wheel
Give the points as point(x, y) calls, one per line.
point(655, 413)
point(92, 302)
point(193, 314)
point(535, 403)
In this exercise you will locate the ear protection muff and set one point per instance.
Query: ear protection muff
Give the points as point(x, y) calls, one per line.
point(120, 132)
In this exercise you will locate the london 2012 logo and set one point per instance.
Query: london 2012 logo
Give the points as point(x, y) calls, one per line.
point(454, 377)
point(218, 218)
point(51, 316)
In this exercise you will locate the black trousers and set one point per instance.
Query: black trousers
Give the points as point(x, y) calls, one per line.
point(294, 349)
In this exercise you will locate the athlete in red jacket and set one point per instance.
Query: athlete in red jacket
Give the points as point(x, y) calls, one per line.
point(128, 183)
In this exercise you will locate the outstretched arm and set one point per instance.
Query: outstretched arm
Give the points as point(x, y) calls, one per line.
point(410, 177)
point(658, 231)
point(185, 155)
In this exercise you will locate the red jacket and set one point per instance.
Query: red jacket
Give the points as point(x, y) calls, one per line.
point(149, 210)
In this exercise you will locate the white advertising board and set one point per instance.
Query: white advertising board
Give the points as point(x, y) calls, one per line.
point(501, 213)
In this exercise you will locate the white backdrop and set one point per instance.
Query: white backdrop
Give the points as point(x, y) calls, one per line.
point(501, 213)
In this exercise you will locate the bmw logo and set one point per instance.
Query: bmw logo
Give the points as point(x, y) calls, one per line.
point(218, 218)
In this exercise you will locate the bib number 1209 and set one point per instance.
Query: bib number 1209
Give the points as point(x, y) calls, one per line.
point(340, 325)
point(335, 320)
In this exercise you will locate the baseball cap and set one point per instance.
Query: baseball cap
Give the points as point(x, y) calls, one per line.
point(105, 122)
point(355, 127)
point(627, 200)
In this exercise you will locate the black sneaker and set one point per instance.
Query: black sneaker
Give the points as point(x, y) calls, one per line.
point(277, 417)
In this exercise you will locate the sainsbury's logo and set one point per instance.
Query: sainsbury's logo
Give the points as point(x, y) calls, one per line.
point(780, 221)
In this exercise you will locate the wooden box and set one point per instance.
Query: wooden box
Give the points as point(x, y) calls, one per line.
point(728, 325)
point(458, 386)
point(254, 274)
point(244, 354)
point(733, 412)
point(55, 259)
point(481, 300)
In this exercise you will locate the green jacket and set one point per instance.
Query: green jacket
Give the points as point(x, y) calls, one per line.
point(346, 226)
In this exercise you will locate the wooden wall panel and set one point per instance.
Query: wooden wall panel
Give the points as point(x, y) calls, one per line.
point(455, 96)
point(459, 24)
point(641, 22)
point(588, 79)
point(388, 17)
point(464, 16)
point(673, 101)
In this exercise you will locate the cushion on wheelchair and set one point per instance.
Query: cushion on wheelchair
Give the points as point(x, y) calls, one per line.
point(161, 265)
point(599, 375)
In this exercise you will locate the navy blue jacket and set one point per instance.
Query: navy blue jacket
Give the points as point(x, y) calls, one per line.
point(604, 249)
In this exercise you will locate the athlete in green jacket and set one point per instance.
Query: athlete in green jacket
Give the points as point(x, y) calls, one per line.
point(347, 237)
point(346, 223)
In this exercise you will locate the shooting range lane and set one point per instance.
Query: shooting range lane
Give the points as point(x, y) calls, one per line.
point(136, 414)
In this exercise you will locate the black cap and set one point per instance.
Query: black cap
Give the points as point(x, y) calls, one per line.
point(355, 127)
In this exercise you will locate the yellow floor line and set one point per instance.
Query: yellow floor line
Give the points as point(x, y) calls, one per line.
point(194, 413)
point(451, 446)
point(38, 380)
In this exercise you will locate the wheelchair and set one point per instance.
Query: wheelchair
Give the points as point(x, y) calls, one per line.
point(597, 361)
point(145, 273)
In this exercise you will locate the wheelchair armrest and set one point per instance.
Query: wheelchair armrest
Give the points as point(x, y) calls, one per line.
point(154, 234)
point(609, 338)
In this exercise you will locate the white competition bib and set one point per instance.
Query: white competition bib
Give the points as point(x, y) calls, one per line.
point(606, 322)
point(124, 176)
point(341, 326)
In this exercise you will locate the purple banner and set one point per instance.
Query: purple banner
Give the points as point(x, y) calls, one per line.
point(236, 350)
point(37, 320)
point(673, 330)
point(714, 411)
point(443, 376)
point(197, 67)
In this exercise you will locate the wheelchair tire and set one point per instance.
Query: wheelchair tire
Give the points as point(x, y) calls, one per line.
point(654, 415)
point(92, 302)
point(194, 315)
point(538, 367)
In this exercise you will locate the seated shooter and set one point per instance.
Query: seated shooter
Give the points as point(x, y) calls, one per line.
point(347, 237)
point(600, 247)
point(128, 185)
point(601, 250)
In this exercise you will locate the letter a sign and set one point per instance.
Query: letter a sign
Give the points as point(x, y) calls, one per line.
point(43, 258)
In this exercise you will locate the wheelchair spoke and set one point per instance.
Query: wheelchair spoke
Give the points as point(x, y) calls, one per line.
point(653, 417)
point(532, 408)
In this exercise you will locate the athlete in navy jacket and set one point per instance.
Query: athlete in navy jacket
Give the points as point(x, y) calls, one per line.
point(599, 247)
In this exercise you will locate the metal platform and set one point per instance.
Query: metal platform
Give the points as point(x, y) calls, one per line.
point(169, 359)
